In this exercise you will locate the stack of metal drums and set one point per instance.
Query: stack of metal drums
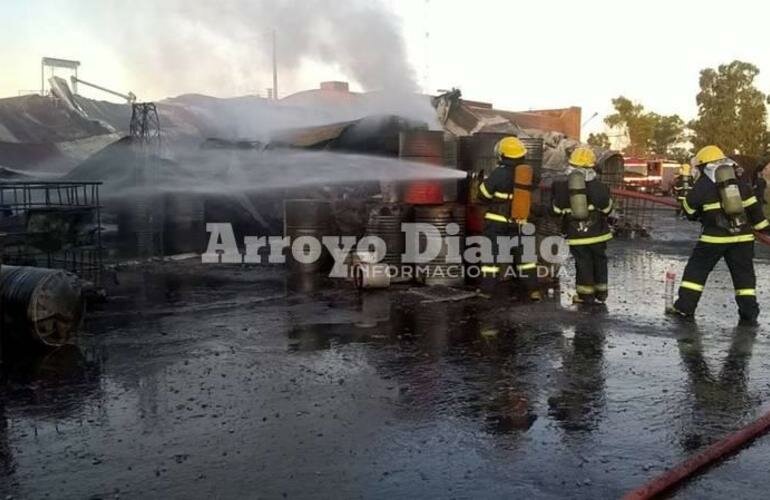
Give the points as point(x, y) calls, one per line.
point(438, 271)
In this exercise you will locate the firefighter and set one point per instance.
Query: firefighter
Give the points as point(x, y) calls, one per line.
point(728, 211)
point(508, 193)
point(584, 204)
point(682, 185)
point(761, 175)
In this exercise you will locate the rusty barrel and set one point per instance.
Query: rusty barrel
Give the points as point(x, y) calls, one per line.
point(385, 223)
point(438, 271)
point(40, 306)
point(422, 146)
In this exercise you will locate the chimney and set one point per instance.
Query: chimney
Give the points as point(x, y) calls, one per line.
point(336, 86)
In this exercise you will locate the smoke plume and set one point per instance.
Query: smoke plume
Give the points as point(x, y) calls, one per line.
point(225, 47)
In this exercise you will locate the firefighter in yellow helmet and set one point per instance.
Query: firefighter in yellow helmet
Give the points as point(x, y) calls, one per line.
point(682, 185)
point(729, 213)
point(508, 193)
point(584, 204)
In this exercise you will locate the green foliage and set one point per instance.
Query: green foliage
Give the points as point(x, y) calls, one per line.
point(666, 131)
point(599, 140)
point(731, 110)
point(648, 133)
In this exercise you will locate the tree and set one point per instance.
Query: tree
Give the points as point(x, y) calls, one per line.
point(731, 110)
point(648, 133)
point(636, 123)
point(666, 132)
point(599, 140)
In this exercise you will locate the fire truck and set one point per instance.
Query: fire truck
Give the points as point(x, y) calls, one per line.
point(654, 176)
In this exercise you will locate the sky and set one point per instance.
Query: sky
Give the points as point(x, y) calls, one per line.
point(517, 55)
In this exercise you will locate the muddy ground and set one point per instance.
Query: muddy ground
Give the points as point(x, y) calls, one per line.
point(222, 382)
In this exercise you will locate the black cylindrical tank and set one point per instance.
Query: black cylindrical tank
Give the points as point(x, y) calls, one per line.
point(40, 306)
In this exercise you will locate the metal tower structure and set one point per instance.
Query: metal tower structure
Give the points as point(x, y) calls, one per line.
point(145, 124)
point(148, 210)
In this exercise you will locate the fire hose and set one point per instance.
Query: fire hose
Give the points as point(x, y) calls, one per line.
point(726, 446)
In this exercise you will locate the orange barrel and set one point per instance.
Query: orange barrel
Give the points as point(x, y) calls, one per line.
point(422, 146)
point(423, 193)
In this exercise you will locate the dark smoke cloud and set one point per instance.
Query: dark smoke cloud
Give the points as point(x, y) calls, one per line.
point(224, 47)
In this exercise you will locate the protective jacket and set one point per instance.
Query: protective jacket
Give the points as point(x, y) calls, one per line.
point(497, 192)
point(704, 203)
point(593, 230)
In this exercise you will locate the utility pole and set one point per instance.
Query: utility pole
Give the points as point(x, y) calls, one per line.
point(275, 70)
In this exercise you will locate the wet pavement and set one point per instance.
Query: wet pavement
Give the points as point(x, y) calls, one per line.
point(207, 381)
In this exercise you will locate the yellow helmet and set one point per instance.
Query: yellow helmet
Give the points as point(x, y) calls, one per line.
point(685, 169)
point(511, 148)
point(582, 157)
point(707, 154)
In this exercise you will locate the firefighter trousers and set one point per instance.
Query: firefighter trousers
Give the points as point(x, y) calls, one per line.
point(740, 261)
point(590, 271)
point(520, 268)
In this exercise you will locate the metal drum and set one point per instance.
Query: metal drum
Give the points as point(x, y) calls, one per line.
point(534, 147)
point(422, 146)
point(311, 218)
point(40, 306)
point(438, 271)
point(476, 153)
point(140, 225)
point(385, 222)
point(184, 228)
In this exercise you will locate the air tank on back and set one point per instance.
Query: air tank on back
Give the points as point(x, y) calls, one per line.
point(729, 192)
point(578, 201)
point(521, 204)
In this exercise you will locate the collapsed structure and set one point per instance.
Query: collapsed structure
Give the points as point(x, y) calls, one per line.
point(220, 160)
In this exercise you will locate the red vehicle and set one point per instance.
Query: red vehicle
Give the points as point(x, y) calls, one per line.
point(648, 176)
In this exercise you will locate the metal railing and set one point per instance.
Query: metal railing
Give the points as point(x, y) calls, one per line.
point(53, 224)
